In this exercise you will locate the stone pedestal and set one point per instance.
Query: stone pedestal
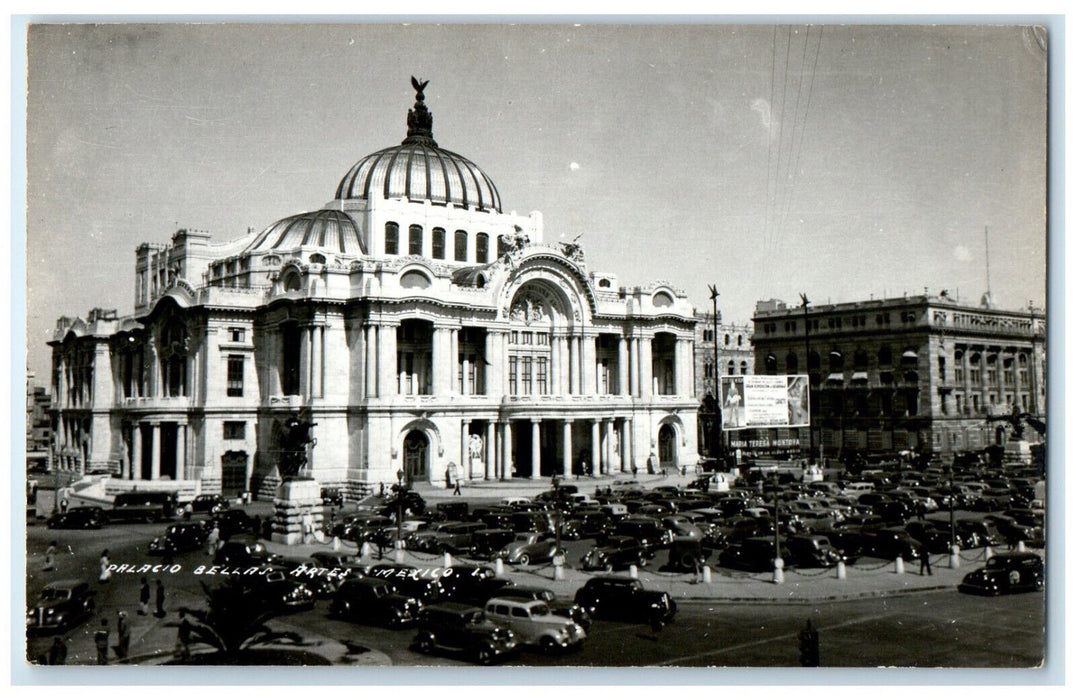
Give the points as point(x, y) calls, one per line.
point(296, 501)
point(1018, 451)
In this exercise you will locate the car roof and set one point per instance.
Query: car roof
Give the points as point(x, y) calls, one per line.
point(66, 583)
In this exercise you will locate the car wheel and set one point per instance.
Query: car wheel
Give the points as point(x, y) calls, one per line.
point(1038, 583)
point(524, 560)
point(425, 643)
point(484, 655)
point(549, 645)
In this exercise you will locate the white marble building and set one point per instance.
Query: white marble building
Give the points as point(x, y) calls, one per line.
point(410, 318)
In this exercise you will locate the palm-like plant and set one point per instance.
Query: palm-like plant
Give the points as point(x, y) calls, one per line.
point(235, 619)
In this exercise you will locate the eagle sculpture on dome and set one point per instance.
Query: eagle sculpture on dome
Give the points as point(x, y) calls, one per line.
point(419, 86)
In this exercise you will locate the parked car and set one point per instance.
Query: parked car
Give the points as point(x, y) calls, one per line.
point(576, 613)
point(332, 496)
point(231, 523)
point(978, 533)
point(208, 503)
point(927, 532)
point(183, 537)
point(528, 548)
point(486, 543)
point(1006, 573)
point(463, 629)
point(375, 601)
point(650, 533)
point(80, 518)
point(412, 503)
point(328, 559)
point(60, 606)
point(460, 575)
point(814, 550)
point(276, 591)
point(618, 552)
point(409, 582)
point(474, 590)
point(752, 554)
point(244, 551)
point(533, 623)
point(615, 597)
point(889, 543)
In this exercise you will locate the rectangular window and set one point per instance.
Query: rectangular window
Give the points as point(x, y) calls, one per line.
point(472, 366)
point(976, 375)
point(513, 375)
point(1007, 376)
point(481, 247)
point(543, 376)
point(527, 384)
point(941, 368)
point(542, 338)
point(515, 337)
point(414, 240)
point(958, 374)
point(235, 375)
point(461, 246)
point(392, 238)
point(235, 430)
point(238, 335)
point(439, 244)
point(527, 338)
point(992, 376)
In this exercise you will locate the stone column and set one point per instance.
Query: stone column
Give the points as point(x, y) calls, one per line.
point(465, 367)
point(554, 366)
point(304, 363)
point(181, 451)
point(136, 453)
point(387, 380)
point(276, 361)
point(506, 449)
point(567, 464)
point(490, 456)
point(371, 361)
point(622, 366)
point(607, 451)
point(573, 351)
point(453, 364)
point(634, 346)
point(536, 448)
point(439, 361)
point(646, 368)
point(465, 457)
point(588, 371)
point(565, 369)
point(504, 364)
point(155, 454)
point(316, 344)
point(595, 447)
point(627, 451)
point(494, 371)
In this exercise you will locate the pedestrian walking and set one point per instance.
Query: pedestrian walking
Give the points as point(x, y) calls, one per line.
point(634, 470)
point(100, 640)
point(63, 505)
point(924, 560)
point(160, 599)
point(57, 652)
point(143, 598)
point(106, 572)
point(169, 553)
point(183, 637)
point(456, 491)
point(212, 540)
point(50, 556)
point(123, 634)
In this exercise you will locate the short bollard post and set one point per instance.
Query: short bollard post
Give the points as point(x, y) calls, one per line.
point(498, 566)
point(398, 553)
point(448, 560)
point(778, 570)
point(336, 544)
point(633, 571)
point(898, 565)
point(558, 572)
point(1021, 547)
point(366, 551)
point(842, 571)
point(707, 576)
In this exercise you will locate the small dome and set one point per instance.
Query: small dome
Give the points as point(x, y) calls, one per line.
point(418, 169)
point(326, 228)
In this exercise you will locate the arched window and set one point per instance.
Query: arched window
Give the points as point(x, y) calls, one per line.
point(414, 240)
point(885, 356)
point(836, 361)
point(292, 281)
point(743, 367)
point(461, 246)
point(859, 360)
point(439, 244)
point(392, 238)
point(661, 299)
point(814, 362)
point(726, 339)
point(739, 340)
point(792, 363)
point(414, 280)
point(771, 364)
point(732, 368)
point(317, 259)
point(604, 283)
point(481, 248)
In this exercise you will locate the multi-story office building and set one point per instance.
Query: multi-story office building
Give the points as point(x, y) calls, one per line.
point(735, 355)
point(923, 373)
point(410, 319)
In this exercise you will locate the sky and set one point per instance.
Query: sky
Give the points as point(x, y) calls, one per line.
point(845, 162)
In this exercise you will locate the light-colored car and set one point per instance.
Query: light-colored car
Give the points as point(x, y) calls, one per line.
point(529, 547)
point(534, 623)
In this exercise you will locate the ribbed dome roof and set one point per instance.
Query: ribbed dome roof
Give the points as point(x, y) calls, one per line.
point(327, 228)
point(418, 169)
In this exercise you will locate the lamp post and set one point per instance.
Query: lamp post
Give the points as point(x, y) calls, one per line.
point(715, 434)
point(399, 506)
point(778, 562)
point(954, 548)
point(807, 364)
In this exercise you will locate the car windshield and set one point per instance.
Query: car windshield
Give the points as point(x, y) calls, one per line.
point(55, 594)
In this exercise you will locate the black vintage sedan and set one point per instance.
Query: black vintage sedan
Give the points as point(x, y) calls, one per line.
point(61, 605)
point(81, 518)
point(183, 537)
point(1006, 573)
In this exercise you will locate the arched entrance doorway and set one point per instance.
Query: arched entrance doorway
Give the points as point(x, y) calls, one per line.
point(667, 446)
point(416, 456)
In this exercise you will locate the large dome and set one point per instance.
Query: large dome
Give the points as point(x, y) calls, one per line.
point(326, 228)
point(418, 169)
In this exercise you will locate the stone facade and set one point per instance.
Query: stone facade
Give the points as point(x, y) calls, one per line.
point(417, 328)
point(923, 373)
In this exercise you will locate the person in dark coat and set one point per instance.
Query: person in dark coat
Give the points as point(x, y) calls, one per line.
point(100, 640)
point(183, 637)
point(924, 560)
point(123, 632)
point(160, 599)
point(57, 652)
point(143, 597)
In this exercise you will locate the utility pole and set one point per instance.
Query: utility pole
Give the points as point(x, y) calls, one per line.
point(807, 364)
point(716, 436)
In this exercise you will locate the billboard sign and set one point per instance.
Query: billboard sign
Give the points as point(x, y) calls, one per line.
point(765, 401)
